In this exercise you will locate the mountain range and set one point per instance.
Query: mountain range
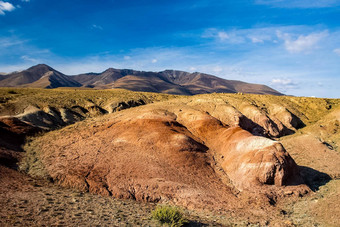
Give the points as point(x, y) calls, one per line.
point(168, 81)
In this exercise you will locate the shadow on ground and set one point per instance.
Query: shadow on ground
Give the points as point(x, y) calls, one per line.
point(195, 224)
point(313, 178)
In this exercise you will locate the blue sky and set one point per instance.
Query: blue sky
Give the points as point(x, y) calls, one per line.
point(290, 45)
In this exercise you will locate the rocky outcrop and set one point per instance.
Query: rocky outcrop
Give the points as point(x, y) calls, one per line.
point(117, 106)
point(12, 136)
point(50, 117)
point(248, 160)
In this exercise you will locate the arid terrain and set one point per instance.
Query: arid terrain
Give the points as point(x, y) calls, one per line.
point(72, 156)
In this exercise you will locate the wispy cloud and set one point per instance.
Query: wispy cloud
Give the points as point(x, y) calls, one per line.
point(22, 53)
point(303, 43)
point(284, 84)
point(296, 39)
point(299, 3)
point(337, 51)
point(27, 58)
point(95, 26)
point(6, 42)
point(219, 35)
point(6, 6)
point(223, 35)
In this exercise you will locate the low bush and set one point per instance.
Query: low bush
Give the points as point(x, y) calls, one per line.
point(169, 215)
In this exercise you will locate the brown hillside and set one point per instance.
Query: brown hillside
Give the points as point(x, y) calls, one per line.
point(39, 76)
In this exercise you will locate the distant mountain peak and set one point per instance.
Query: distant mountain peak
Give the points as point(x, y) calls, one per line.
point(41, 76)
point(41, 66)
point(167, 81)
point(110, 70)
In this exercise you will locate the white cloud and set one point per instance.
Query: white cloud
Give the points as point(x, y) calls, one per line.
point(232, 36)
point(25, 0)
point(256, 39)
point(282, 81)
point(217, 69)
point(30, 59)
point(301, 43)
point(283, 84)
point(337, 51)
point(241, 36)
point(222, 35)
point(10, 41)
point(192, 69)
point(154, 60)
point(6, 6)
point(127, 57)
point(299, 3)
point(94, 26)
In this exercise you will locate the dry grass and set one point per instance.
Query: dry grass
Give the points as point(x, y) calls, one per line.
point(15, 100)
point(309, 110)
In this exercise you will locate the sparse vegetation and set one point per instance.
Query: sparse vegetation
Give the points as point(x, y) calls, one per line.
point(169, 215)
point(12, 92)
point(14, 100)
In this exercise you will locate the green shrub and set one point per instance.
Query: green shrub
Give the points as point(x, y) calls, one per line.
point(169, 215)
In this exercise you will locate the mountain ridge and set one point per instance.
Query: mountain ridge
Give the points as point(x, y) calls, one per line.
point(167, 81)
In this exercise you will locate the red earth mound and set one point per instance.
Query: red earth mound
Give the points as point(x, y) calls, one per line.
point(12, 136)
point(174, 153)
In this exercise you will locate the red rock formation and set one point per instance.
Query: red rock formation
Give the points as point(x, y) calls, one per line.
point(154, 154)
point(248, 160)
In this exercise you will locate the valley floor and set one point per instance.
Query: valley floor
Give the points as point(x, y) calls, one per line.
point(26, 201)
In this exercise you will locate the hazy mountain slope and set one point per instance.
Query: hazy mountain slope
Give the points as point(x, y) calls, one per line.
point(2, 76)
point(99, 79)
point(41, 76)
point(24, 77)
point(53, 80)
point(168, 81)
point(199, 83)
point(151, 83)
point(85, 78)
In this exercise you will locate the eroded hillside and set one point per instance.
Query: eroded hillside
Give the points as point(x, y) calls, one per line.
point(252, 156)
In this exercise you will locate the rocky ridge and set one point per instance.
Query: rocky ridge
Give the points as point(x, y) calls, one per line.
point(168, 81)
